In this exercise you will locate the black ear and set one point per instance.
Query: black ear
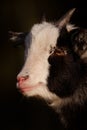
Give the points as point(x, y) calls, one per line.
point(79, 41)
point(66, 37)
point(73, 34)
point(18, 38)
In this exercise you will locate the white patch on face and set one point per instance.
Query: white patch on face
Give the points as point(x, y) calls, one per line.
point(44, 36)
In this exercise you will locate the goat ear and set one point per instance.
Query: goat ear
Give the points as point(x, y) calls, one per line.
point(17, 37)
point(65, 19)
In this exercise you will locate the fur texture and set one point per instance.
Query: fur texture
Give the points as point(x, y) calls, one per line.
point(57, 72)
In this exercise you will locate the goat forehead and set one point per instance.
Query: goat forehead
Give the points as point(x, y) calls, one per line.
point(39, 27)
point(44, 34)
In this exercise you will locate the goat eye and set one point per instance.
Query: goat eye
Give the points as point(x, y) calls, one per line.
point(58, 51)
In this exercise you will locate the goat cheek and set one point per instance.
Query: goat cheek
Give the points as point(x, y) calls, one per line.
point(53, 59)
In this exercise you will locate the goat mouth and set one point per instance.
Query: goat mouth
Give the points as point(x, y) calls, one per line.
point(26, 88)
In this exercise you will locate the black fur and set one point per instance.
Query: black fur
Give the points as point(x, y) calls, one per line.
point(65, 70)
point(68, 79)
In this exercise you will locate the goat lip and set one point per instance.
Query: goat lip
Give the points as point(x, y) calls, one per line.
point(24, 88)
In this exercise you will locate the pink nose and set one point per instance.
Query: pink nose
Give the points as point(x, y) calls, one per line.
point(21, 79)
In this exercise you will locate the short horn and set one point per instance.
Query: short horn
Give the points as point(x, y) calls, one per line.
point(65, 19)
point(43, 18)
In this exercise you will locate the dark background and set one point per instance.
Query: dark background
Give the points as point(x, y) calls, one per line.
point(17, 113)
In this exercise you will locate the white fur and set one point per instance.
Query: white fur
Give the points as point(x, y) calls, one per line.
point(44, 36)
point(44, 93)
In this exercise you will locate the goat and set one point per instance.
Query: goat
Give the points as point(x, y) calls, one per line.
point(55, 69)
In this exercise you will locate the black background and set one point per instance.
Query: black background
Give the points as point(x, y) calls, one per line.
point(20, 15)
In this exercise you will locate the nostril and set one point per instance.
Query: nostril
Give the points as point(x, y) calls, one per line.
point(20, 79)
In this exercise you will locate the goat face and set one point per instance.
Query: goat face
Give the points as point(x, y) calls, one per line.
point(51, 63)
point(32, 80)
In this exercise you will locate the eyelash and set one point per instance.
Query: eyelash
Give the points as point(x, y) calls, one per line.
point(58, 51)
point(52, 49)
